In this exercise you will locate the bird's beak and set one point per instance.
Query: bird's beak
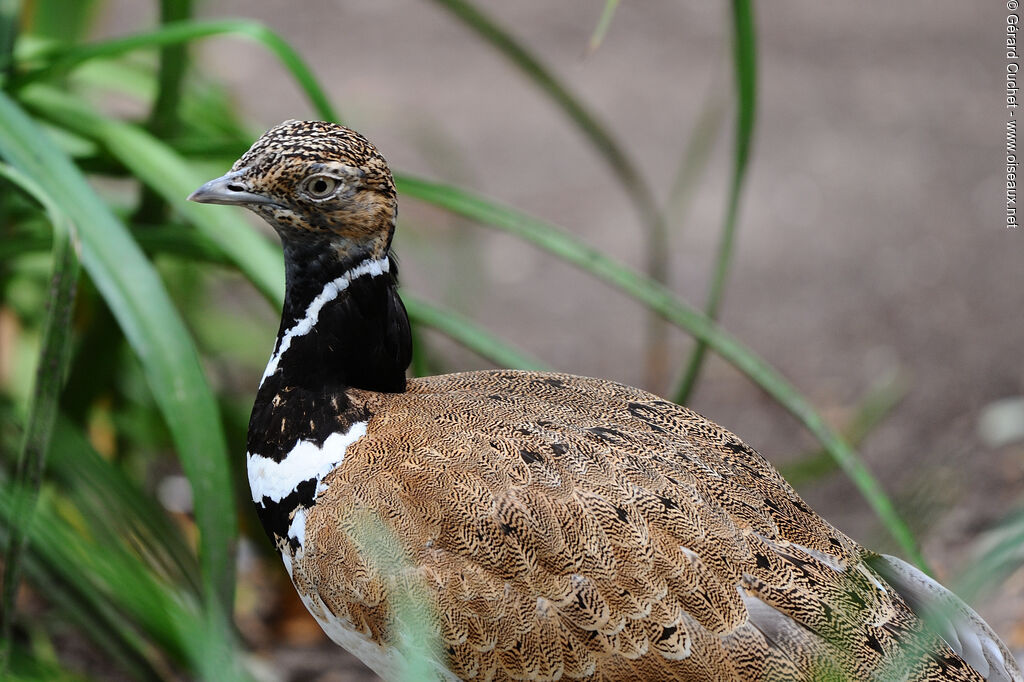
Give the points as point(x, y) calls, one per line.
point(228, 189)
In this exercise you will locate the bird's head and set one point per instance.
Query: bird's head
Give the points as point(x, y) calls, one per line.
point(320, 185)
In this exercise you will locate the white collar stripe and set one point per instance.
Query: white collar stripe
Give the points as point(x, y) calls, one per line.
point(372, 267)
point(276, 480)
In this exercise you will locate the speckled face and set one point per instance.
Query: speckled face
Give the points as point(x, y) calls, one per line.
point(312, 179)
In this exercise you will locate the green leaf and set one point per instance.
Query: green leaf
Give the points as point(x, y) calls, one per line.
point(697, 153)
point(60, 60)
point(107, 575)
point(164, 119)
point(26, 667)
point(73, 589)
point(9, 14)
point(135, 295)
point(51, 371)
point(1000, 552)
point(128, 510)
point(95, 617)
point(879, 402)
point(412, 616)
point(167, 174)
point(662, 301)
point(61, 19)
point(655, 237)
point(464, 332)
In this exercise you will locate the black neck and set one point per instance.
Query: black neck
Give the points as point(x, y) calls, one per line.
point(354, 336)
point(360, 337)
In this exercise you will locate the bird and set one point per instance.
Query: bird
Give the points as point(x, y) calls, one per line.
point(537, 525)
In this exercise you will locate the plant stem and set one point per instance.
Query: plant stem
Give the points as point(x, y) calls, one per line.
point(745, 60)
point(10, 12)
point(164, 122)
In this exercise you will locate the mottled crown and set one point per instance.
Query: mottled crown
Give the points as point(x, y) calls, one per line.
point(288, 150)
point(323, 187)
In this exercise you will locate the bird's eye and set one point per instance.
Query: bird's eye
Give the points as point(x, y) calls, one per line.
point(320, 186)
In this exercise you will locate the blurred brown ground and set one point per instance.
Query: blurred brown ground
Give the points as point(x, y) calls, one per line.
point(871, 236)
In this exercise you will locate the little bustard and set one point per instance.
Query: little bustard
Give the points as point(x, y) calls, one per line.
point(558, 527)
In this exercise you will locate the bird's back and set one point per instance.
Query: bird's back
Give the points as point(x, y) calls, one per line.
point(559, 526)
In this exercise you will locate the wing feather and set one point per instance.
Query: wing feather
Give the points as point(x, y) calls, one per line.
point(568, 527)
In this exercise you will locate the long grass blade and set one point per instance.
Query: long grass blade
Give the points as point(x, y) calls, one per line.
point(745, 61)
point(167, 174)
point(694, 160)
point(134, 293)
point(77, 467)
point(111, 574)
point(603, 142)
point(83, 606)
point(470, 336)
point(163, 117)
point(61, 60)
point(413, 614)
point(662, 301)
point(51, 370)
point(10, 10)
point(603, 24)
point(28, 666)
point(881, 399)
point(209, 126)
point(1000, 552)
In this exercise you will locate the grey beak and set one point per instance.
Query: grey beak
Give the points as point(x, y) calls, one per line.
point(228, 189)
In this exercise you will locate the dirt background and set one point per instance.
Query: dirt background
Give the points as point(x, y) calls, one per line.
point(871, 238)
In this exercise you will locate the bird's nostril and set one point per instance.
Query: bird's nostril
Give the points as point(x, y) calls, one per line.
point(236, 188)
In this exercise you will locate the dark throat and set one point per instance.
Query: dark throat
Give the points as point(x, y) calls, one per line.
point(360, 338)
